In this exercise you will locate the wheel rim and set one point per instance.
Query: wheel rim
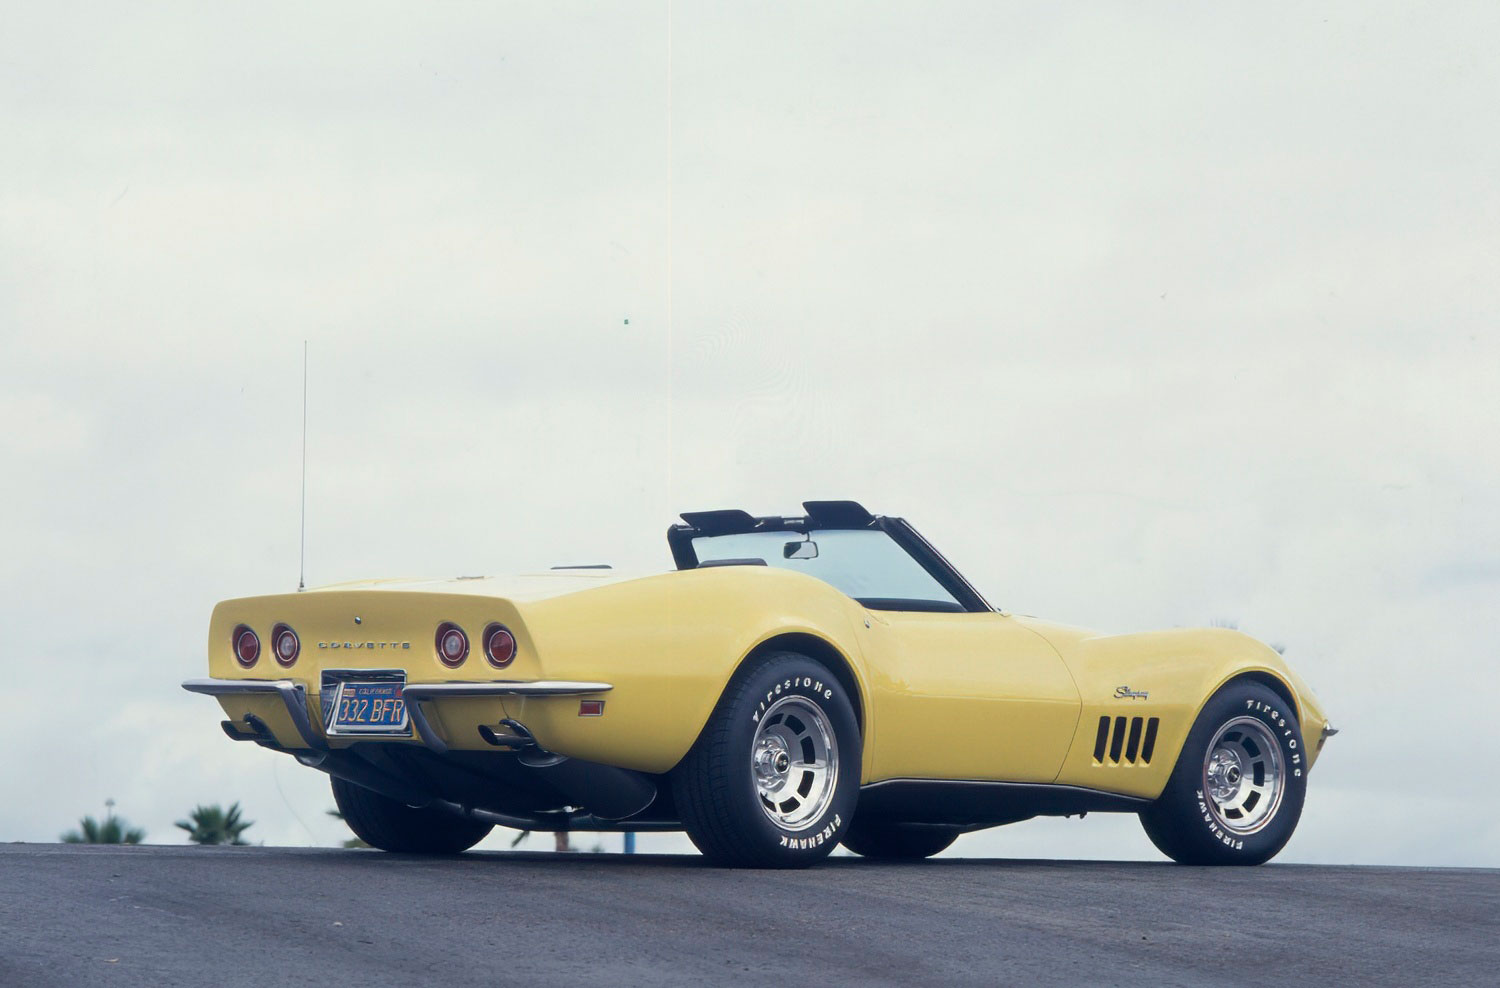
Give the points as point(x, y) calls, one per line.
point(794, 760)
point(1244, 776)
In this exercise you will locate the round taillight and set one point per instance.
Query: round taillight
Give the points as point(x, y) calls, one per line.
point(499, 645)
point(452, 644)
point(286, 644)
point(246, 646)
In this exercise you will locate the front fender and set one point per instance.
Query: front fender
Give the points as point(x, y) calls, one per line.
point(1177, 671)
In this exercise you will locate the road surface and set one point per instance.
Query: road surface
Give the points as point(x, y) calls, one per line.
point(262, 917)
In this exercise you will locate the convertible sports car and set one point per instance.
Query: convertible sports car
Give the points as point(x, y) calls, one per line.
point(796, 683)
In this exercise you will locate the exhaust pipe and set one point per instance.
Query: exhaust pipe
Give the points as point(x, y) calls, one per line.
point(608, 792)
point(517, 737)
point(353, 769)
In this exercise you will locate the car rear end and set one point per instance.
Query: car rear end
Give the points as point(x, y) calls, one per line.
point(326, 669)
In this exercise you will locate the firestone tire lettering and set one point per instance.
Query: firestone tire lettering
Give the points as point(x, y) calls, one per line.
point(714, 787)
point(1183, 824)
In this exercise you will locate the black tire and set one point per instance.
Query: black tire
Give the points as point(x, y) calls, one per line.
point(393, 826)
point(1189, 826)
point(716, 787)
point(883, 840)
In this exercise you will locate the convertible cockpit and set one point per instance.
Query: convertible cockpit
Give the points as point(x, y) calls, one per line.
point(883, 563)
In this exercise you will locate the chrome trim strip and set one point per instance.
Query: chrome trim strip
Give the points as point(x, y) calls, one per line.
point(293, 695)
point(334, 675)
point(1057, 787)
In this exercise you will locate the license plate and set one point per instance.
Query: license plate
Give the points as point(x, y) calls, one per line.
point(368, 708)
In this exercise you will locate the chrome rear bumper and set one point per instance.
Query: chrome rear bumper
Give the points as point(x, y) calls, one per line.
point(294, 696)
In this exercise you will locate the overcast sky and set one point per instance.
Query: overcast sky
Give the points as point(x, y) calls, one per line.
point(1148, 315)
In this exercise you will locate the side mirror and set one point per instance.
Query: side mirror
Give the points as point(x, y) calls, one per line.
point(807, 549)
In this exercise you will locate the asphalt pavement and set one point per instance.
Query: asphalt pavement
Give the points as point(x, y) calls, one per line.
point(262, 916)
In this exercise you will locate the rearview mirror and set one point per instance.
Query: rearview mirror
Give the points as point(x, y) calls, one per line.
point(800, 550)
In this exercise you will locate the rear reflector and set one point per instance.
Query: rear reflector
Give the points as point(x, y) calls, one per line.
point(246, 646)
point(591, 708)
point(499, 645)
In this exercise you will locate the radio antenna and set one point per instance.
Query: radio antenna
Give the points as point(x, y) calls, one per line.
point(302, 562)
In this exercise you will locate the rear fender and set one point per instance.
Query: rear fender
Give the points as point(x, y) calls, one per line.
point(670, 645)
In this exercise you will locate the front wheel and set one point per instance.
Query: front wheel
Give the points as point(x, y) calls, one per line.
point(393, 826)
point(1236, 793)
point(773, 779)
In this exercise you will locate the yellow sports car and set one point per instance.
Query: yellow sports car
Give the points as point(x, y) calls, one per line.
point(797, 683)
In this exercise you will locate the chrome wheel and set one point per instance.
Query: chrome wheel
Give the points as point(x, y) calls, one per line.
point(1244, 776)
point(794, 760)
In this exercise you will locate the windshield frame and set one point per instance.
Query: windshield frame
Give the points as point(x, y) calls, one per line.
point(826, 515)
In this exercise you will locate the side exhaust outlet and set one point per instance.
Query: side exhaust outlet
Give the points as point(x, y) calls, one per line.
point(609, 793)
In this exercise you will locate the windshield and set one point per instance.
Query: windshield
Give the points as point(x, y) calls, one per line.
point(865, 564)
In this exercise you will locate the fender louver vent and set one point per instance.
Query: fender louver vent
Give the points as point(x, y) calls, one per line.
point(1128, 739)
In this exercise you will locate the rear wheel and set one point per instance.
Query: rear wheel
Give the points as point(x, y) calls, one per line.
point(393, 826)
point(1236, 793)
point(773, 779)
point(879, 839)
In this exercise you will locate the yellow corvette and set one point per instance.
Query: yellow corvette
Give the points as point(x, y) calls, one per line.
point(797, 683)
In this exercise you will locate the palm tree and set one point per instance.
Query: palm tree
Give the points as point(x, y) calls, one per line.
point(215, 825)
point(112, 831)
